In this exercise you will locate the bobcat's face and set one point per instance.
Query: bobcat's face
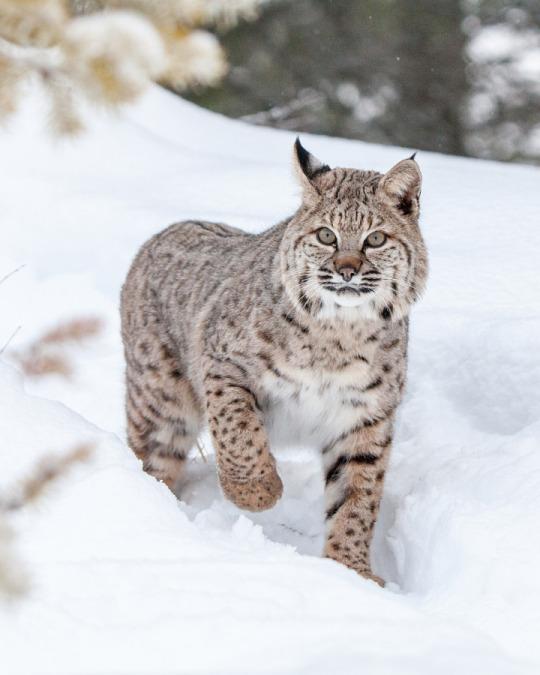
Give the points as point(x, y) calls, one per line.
point(354, 248)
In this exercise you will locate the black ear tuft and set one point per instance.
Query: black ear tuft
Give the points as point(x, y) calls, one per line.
point(309, 164)
point(302, 154)
point(413, 156)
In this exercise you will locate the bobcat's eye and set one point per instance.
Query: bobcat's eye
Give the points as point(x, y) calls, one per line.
point(376, 239)
point(326, 236)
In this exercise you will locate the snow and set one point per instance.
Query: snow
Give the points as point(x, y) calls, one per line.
point(125, 579)
point(518, 49)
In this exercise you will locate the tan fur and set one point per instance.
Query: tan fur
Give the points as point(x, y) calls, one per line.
point(265, 339)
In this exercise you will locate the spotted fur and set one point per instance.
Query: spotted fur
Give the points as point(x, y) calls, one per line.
point(279, 338)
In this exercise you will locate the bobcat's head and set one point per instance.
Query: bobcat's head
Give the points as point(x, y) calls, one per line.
point(354, 248)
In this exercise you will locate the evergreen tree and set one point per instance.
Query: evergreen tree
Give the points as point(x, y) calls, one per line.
point(455, 77)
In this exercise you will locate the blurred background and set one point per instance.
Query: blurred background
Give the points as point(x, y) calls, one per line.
point(457, 77)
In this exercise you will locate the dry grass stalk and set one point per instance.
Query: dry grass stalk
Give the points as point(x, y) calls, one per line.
point(10, 338)
point(201, 449)
point(44, 473)
point(13, 580)
point(76, 330)
point(10, 274)
point(39, 365)
point(45, 356)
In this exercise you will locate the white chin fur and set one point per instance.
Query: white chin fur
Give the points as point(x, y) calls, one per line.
point(351, 307)
point(346, 299)
point(351, 300)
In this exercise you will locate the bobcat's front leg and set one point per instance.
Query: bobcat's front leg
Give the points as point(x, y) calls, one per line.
point(355, 465)
point(247, 469)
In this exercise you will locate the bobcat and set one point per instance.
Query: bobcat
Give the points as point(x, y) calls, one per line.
point(295, 334)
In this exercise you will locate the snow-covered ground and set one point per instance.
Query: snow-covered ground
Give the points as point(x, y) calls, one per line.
point(127, 580)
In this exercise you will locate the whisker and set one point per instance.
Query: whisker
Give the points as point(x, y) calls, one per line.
point(401, 282)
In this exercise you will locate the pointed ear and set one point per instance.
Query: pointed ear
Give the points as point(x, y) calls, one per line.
point(307, 168)
point(400, 187)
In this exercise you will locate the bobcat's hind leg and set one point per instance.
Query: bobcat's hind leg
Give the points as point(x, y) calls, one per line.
point(163, 416)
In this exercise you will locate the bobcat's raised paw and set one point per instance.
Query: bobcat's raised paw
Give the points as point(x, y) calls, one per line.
point(256, 494)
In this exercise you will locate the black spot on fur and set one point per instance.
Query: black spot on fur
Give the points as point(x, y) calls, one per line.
point(294, 323)
point(373, 385)
point(334, 471)
point(334, 509)
point(405, 205)
point(265, 336)
point(390, 345)
point(305, 302)
point(386, 313)
point(363, 458)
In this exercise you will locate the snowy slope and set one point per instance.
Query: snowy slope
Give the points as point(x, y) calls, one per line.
point(127, 580)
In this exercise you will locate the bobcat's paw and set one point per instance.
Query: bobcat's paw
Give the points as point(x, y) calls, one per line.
point(255, 494)
point(373, 577)
point(360, 569)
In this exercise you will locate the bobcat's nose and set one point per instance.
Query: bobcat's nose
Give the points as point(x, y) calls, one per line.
point(347, 273)
point(347, 266)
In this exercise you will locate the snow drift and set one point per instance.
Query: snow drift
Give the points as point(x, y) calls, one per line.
point(128, 580)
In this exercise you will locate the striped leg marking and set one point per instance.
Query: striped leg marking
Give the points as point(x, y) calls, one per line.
point(355, 465)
